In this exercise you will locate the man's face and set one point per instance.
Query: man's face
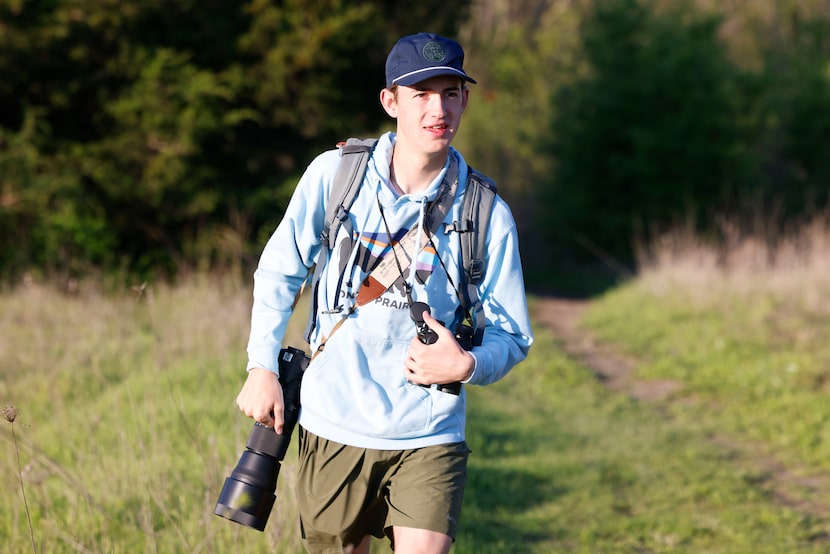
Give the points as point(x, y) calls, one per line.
point(428, 113)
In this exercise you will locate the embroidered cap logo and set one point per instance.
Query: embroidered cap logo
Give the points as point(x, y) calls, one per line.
point(434, 52)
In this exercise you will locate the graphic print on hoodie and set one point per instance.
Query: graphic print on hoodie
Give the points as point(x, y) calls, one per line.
point(374, 247)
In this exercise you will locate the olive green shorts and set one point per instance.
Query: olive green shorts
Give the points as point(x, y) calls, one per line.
point(345, 493)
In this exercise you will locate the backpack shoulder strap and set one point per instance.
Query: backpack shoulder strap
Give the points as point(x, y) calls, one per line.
point(354, 156)
point(475, 219)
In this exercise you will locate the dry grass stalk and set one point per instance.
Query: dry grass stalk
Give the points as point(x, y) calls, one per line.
point(791, 267)
point(10, 414)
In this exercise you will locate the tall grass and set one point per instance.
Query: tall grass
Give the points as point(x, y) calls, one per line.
point(743, 325)
point(561, 464)
point(10, 414)
point(127, 426)
point(129, 422)
point(788, 265)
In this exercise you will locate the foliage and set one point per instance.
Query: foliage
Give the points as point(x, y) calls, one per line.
point(518, 61)
point(149, 138)
point(606, 122)
point(648, 133)
point(148, 134)
point(501, 125)
point(795, 109)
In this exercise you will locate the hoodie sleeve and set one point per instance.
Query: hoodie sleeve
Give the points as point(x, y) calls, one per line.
point(285, 262)
point(507, 334)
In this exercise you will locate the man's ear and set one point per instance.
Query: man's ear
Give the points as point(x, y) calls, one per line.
point(389, 103)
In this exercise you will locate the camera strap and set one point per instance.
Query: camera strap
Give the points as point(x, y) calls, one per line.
point(395, 263)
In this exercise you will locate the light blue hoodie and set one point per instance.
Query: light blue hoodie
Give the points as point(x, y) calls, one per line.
point(355, 392)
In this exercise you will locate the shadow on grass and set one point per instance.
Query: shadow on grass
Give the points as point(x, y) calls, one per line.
point(494, 503)
point(507, 481)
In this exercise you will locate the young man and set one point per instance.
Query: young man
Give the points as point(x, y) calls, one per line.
point(382, 446)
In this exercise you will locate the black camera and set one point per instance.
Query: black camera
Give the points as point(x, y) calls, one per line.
point(416, 313)
point(248, 494)
point(428, 336)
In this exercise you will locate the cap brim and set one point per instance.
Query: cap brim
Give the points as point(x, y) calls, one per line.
point(415, 77)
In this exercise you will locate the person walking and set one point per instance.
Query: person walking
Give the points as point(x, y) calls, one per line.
point(382, 448)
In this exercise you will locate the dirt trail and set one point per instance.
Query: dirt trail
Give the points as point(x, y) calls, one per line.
point(799, 488)
point(611, 367)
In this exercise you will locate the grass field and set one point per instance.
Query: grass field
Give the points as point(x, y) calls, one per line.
point(126, 425)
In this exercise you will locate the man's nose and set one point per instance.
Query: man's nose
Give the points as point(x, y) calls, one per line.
point(437, 104)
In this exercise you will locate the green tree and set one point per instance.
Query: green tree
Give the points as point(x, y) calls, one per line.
point(519, 54)
point(156, 135)
point(795, 114)
point(647, 134)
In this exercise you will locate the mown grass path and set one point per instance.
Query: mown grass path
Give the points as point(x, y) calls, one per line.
point(801, 489)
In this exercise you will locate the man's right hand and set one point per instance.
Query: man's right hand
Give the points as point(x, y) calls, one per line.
point(261, 398)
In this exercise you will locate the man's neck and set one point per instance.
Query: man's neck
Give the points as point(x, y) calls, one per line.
point(414, 174)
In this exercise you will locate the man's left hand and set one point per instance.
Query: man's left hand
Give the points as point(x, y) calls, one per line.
point(442, 362)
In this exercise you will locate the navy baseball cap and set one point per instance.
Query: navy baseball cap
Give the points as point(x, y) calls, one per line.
point(415, 58)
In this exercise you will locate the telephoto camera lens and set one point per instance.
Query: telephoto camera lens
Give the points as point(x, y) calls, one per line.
point(248, 494)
